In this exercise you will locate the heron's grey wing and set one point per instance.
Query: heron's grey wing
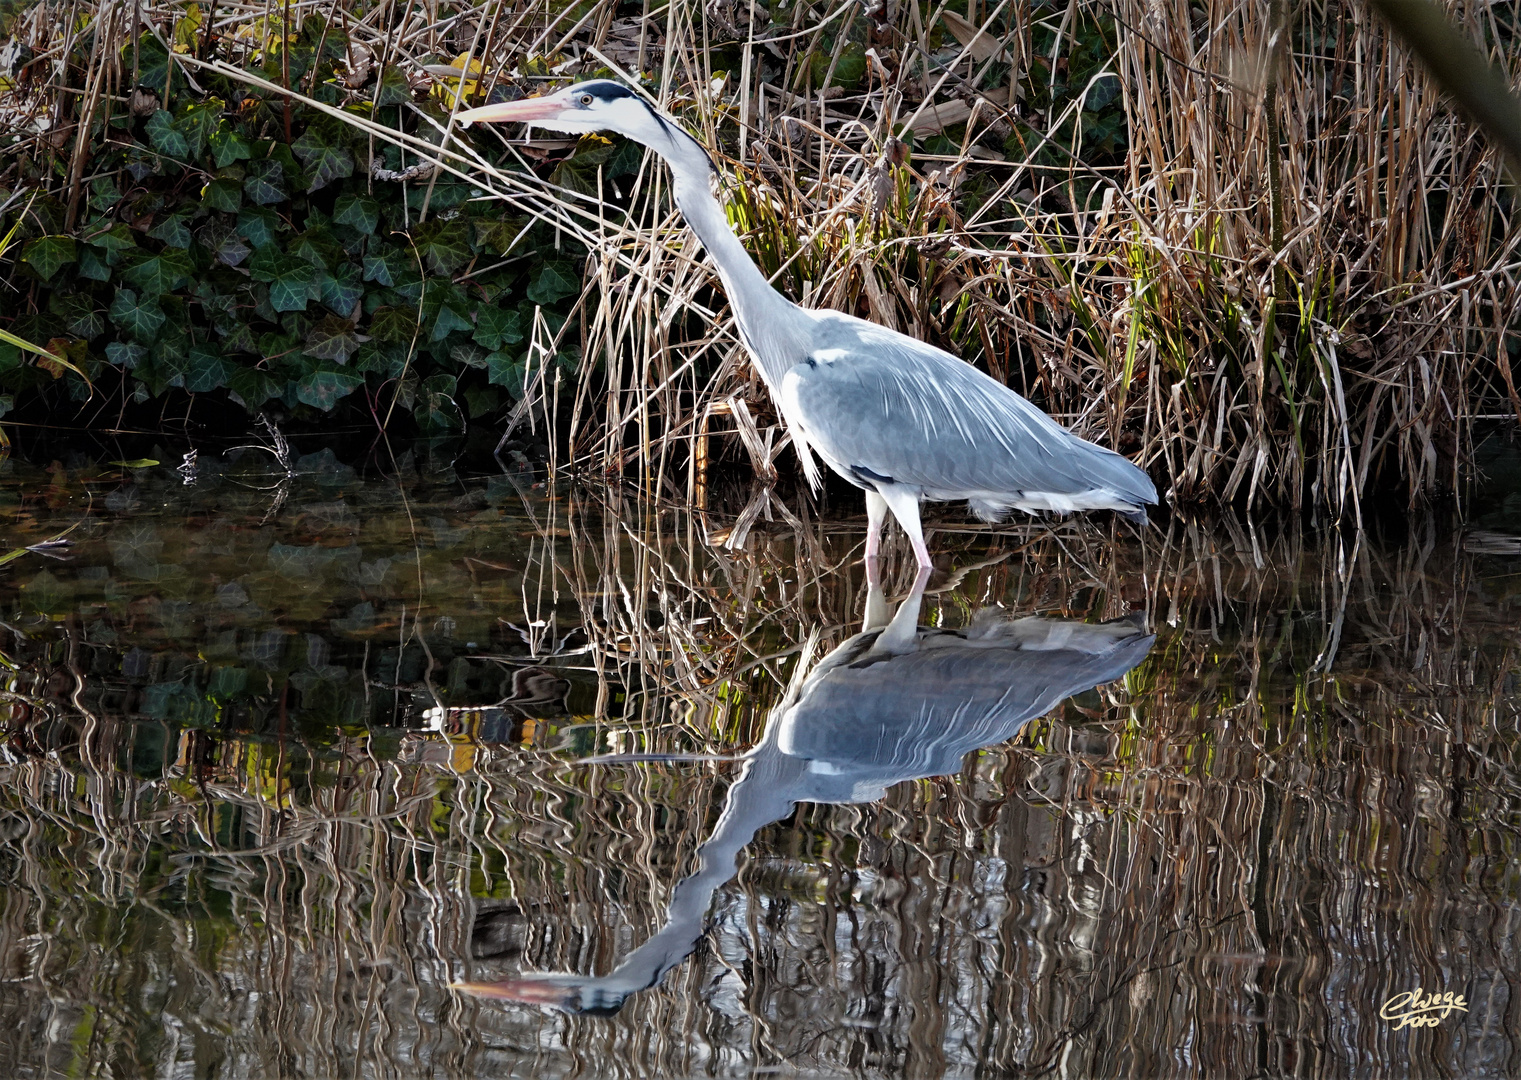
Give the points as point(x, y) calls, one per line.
point(901, 410)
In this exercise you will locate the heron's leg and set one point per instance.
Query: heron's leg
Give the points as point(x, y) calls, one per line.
point(877, 614)
point(904, 503)
point(876, 513)
point(902, 632)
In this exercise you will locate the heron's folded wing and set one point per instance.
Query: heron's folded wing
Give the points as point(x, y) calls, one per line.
point(907, 411)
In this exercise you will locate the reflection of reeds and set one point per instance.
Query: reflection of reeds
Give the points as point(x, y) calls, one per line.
point(1303, 802)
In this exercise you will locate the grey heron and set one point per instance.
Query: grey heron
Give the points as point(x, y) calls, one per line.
point(895, 702)
point(898, 418)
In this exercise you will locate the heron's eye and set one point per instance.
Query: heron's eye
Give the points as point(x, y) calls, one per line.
point(586, 99)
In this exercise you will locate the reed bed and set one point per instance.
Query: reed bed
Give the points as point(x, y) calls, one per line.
point(1274, 270)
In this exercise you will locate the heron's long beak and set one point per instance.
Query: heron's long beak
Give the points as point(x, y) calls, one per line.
point(525, 111)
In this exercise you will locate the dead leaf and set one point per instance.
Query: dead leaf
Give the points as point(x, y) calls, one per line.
point(936, 118)
point(980, 44)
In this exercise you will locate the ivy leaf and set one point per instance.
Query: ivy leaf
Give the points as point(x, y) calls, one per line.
point(225, 195)
point(317, 247)
point(626, 160)
point(281, 153)
point(206, 371)
point(221, 238)
point(258, 225)
point(48, 254)
point(241, 340)
point(264, 182)
point(497, 326)
point(359, 212)
point(468, 355)
point(250, 387)
point(324, 161)
point(164, 137)
point(92, 264)
point(389, 360)
point(446, 322)
point(266, 262)
point(124, 354)
point(444, 245)
point(290, 278)
point(436, 409)
point(227, 147)
point(152, 61)
point(113, 241)
point(170, 269)
point(507, 370)
point(332, 338)
point(324, 389)
point(496, 236)
point(378, 268)
point(341, 290)
point(186, 27)
point(579, 171)
point(555, 280)
point(140, 318)
point(47, 594)
point(197, 121)
point(394, 88)
point(393, 324)
point(292, 286)
point(104, 194)
point(277, 345)
point(483, 400)
point(79, 314)
point(172, 230)
point(1103, 90)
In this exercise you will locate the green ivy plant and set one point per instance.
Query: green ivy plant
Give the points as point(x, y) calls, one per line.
point(214, 256)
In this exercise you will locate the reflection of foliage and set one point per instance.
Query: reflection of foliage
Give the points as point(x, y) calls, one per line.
point(298, 621)
point(1307, 736)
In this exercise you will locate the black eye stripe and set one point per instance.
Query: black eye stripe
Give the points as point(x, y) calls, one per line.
point(605, 89)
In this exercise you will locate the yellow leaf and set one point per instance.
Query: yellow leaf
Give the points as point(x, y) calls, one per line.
point(185, 28)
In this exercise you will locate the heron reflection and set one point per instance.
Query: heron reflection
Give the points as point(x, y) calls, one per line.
point(895, 702)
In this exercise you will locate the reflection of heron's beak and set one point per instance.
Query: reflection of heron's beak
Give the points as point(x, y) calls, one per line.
point(525, 111)
point(568, 993)
point(531, 991)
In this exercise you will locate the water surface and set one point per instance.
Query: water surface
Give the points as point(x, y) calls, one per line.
point(283, 759)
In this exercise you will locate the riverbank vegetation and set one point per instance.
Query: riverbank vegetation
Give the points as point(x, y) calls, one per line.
point(1273, 269)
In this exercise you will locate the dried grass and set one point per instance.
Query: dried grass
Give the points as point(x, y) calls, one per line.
point(1145, 303)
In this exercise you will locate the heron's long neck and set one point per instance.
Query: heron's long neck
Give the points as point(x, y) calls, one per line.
point(761, 311)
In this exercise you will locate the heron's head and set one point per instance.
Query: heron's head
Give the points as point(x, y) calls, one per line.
point(597, 105)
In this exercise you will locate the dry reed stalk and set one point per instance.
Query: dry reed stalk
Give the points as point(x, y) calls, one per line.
point(1135, 301)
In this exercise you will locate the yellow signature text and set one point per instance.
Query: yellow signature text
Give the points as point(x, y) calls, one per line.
point(1416, 1008)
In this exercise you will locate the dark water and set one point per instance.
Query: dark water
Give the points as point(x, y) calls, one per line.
point(284, 760)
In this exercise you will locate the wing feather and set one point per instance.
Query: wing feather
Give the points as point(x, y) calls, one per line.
point(870, 397)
